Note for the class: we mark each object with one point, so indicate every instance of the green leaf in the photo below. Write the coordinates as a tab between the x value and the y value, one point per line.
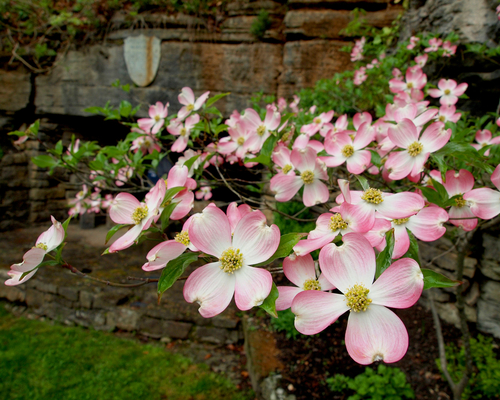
217	97
413	249
165	215
384	258
363	181
376	159
267	150
174	269
431	195
287	242
435	279
172	192
189	163
441	190
221	128
269	304
213	110
44	161
125	108
33	128
113	230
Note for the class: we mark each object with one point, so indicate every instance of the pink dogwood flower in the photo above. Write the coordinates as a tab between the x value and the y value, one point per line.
204	193
128	210
460	183
177	129
213	285
417	150
311	171
434	45
415	79
302	273
374	333
46	242
157	115
448	113
187	99
317	124
413	42
449	49
448	91
262	129
485	202
483	138
421	60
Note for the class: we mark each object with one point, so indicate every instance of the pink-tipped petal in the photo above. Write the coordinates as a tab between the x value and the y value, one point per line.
210	231
256	240
427	225
285	186
31	259
286	296
127	239
186	96
161	254
201	100
253	285
484	202
315	311
299	269
399	286
359	161
458	182
495	176
123	207
324	283
376	335
210	287
351	263
401	241
403	134
466	224
435	137
401	205
315	193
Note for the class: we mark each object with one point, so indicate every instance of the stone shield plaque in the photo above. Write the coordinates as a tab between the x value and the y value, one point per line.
142	56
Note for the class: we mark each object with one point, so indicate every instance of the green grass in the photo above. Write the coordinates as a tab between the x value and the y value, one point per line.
43	361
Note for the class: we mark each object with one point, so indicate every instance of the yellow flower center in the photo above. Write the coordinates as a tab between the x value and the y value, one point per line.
317	120
183	132
409	85
415	149
447	91
240	141
287	168
357	298
442	118
261	130
182	237
312	284
347	151
400	221
337	222
231	260
139	214
157	118
460	202
307	177
285	137
190	107
373	196
41	246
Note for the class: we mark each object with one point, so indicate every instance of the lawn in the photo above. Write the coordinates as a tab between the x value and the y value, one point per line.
39	360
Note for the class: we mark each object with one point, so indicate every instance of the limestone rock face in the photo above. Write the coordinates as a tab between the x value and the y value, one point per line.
15	89
473	20
84	79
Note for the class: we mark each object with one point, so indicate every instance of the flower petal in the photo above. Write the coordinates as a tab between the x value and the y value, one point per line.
252	287
210	231
122	208
349	264
285	186
211	287
377	334
401	205
256	240
484	202
286	296
126	240
315	193
314	310
399	286
299	269
161	254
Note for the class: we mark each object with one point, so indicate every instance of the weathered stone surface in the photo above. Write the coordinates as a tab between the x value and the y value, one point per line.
89	318
472	20
69	292
305	62
86	299
488	317
328	24
239	7
47	194
109	299
491	269
210	334
226	320
124	318
262	354
448	261
157	328
84	78
490	291
15	89
293	3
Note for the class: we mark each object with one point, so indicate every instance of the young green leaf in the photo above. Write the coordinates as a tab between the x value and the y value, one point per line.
165	215
44	161
269	304
384	258
413	249
435	279
363	181
217	97
113	230
174	269
172	192
189	163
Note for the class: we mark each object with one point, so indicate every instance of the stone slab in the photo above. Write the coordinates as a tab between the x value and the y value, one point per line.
15	90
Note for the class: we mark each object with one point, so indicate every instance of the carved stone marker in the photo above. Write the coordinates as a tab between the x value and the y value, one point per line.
142	56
